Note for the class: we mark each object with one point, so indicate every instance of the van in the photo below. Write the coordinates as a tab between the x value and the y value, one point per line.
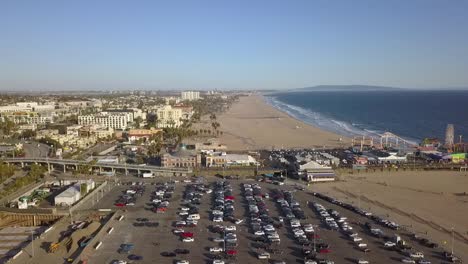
193	217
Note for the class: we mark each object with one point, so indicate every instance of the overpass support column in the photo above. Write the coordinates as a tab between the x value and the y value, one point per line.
64	168
100	169
22	164
48	167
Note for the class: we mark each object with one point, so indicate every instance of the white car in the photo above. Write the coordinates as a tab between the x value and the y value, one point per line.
362	261
309	261
416	255
217	219
263	255
182	262
178	231
389	244
218	261
295	224
239	221
259	233
184	208
407	260
183	213
218	239
269	228
119	262
216	249
188	239
230	228
356	239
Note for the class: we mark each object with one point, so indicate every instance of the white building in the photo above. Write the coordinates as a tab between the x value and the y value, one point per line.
26	107
68	197
315	172
115	121
28	118
190	95
169	116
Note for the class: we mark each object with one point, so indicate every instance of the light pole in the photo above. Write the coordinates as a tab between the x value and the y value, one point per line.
32	243
453	238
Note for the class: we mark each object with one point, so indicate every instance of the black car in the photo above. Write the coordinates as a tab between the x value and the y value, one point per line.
168	254
135	257
181	251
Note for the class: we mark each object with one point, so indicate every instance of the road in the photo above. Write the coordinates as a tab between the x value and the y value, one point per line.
36	150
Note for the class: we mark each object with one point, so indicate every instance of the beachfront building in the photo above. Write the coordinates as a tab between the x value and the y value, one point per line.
168	116
312	171
222	159
190	95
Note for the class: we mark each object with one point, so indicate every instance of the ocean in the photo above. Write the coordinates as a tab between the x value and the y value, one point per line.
410	114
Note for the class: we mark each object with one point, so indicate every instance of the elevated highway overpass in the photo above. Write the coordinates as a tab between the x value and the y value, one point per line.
70	164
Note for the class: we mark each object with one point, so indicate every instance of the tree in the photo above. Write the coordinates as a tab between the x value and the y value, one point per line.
138	121
7	126
156	145
29	133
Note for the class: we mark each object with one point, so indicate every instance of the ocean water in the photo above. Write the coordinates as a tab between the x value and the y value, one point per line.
411	114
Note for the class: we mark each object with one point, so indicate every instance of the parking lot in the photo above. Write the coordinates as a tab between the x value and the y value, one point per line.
149	241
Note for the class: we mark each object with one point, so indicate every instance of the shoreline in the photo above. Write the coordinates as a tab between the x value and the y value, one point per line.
330	124
253	124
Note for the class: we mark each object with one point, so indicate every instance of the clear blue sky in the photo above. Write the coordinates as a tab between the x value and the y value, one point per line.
232	44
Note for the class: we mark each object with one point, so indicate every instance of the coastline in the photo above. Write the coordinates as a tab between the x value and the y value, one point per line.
253	124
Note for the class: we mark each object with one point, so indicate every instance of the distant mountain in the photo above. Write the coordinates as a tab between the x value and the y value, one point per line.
346	88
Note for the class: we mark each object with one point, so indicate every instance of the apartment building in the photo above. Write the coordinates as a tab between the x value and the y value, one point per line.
190	95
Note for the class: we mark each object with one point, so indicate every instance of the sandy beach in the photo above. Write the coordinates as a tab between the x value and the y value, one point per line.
427	202
252	124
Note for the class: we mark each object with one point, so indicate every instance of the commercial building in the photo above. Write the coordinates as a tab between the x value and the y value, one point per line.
169	116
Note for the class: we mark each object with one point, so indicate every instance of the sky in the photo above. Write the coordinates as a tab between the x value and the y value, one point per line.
100	45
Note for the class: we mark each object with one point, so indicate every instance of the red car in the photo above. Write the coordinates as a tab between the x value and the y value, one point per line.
186	234
324	250
313	236
120	204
